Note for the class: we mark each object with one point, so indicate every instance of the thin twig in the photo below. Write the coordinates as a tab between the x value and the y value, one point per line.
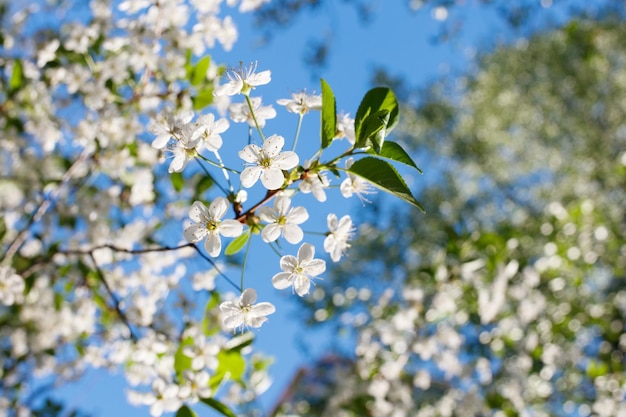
116	302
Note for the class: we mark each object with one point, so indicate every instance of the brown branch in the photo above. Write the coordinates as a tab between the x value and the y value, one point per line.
116	302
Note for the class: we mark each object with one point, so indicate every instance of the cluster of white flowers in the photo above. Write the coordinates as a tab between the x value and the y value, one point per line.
277	170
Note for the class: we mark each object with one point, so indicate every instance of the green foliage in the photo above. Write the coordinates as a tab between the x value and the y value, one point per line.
238	243
385	177
376	116
218	406
328	115
395	152
185	411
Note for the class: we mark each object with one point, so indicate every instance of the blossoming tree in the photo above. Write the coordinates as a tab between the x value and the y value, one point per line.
99	262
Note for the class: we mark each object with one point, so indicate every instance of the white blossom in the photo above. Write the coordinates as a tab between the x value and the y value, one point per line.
299	272
340	231
209	224
242	80
11	286
354	185
301	103
209	130
168	126
283	219
268	163
240	112
243	313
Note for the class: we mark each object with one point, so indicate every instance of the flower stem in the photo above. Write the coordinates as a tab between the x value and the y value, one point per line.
224	171
256	123
295	141
208	174
243	264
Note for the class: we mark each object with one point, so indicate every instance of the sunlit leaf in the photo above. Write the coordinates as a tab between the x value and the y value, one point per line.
384	176
185	411
17	77
218	406
237	244
199	70
329	115
178	182
375	100
203	98
393	151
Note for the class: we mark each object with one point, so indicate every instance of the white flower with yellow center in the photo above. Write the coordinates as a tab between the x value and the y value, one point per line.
283	219
243	313
267	162
209	224
299	272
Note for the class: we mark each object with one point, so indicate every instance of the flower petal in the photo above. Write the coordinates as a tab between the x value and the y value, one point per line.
282	204
271	232
298	215
248	297
194	232
250	176
302	285
272	178
198	212
315	267
286	160
273	145
292	233
288	263
282	280
263	309
250	153
306	252
230	228
218	208
234	321
213	244
268	214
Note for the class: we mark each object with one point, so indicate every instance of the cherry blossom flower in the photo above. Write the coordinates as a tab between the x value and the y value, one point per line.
284	220
11	286
242	80
240	112
209	129
299	272
166	127
268	163
345	128
355	185
315	183
340	231
195	386
244	313
182	151
203	354
208	224
164	398
301	103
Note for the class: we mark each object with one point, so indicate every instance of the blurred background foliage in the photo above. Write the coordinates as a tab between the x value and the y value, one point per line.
509	296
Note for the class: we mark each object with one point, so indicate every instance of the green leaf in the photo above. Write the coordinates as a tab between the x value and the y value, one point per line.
231	363
375	100
393	151
218	406
178	182
198	74
237	244
182	362
203	185
17	77
384	176
329	115
209	325
203	98
185	411
375	129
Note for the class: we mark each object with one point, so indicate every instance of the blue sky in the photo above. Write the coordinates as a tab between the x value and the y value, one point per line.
394	39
